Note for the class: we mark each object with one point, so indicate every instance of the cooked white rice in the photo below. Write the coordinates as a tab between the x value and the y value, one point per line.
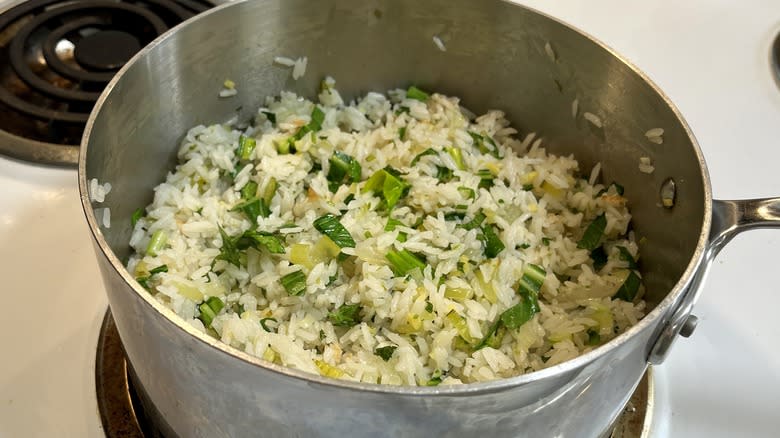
439	43
97	192
428	323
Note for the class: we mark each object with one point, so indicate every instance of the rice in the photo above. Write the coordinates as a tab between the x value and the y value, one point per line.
655	135
97	192
500	277
439	44
646	165
299	69
575	107
550	52
593	119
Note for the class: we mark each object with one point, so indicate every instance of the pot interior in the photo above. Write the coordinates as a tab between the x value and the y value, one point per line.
498	55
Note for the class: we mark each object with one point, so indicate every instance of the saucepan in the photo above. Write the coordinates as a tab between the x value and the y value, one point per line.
492	54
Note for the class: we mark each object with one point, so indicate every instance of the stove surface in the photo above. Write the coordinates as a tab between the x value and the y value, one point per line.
712	59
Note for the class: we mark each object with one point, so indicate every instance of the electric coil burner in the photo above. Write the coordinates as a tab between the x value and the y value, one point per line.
57	56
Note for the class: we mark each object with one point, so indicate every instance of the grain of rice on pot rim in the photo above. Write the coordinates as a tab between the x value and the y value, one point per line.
389	240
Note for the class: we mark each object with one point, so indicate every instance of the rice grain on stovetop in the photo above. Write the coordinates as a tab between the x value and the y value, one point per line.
425	326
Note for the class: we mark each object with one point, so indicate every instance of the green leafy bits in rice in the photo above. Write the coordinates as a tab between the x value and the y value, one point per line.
389	240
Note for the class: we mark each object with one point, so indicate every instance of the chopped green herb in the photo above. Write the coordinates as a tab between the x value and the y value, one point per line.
436	378
428	151
137	215
594	338
156	243
444	174
294	283
159	269
493	245
209	310
429	307
417	94
347	315
467	192
246	145
265	327
249	191
523	246
626	256
454	215
402	109
270	191
475	222
592	236
532	279
387	183
485	144
599	257
546	241
528	187
486	178
385	352
629	288
143	281
402	133
403	262
270	116
343	169
330	226
391	224
457	157
257	239
252	208
229	251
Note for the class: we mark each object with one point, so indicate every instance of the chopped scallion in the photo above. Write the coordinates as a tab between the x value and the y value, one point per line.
330	226
347	315
246	145
265	327
391	224
209	310
159	269
592	236
387	183
417	157
629	288
467	192
249	190
137	215
294	283
457	157
156	243
486	178
493	244
385	352
270	191
343	168
417	94
402	133
403	262
435	379
475	222
257	239
594	338
229	251
444	174
626	256
599	257
532	279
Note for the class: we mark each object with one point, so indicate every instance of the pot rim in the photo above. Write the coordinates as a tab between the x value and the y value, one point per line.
664	307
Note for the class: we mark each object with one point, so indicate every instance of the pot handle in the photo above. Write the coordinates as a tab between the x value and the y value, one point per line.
729	218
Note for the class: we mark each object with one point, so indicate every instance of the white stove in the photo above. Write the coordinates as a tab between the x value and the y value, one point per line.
711	57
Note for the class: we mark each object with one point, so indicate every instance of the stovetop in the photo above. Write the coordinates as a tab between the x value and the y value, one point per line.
712	59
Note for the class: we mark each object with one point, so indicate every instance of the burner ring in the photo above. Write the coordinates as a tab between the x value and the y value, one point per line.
27	75
91	49
55	63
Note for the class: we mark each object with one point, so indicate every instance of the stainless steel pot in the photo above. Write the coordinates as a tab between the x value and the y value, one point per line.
495	58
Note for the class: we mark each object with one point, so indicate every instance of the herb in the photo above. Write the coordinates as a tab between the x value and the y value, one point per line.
229	251
209	310
512	318
436	378
137	215
493	245
249	191
629	288
546	241
385	352
429	307
417	94
246	145
252	208
257	239
403	262
294	283
454	215
532	279
143	281
594	338
391	224
467	192
599	257
592	236
485	144
330	226
343	169
457	157
475	222
317	117
626	256
270	116
270	191
159	269
428	151
486	178
528	187
402	132
388	185
156	243
265	327
345	316
444	174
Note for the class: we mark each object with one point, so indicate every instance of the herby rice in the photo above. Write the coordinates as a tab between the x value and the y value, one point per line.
394	240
